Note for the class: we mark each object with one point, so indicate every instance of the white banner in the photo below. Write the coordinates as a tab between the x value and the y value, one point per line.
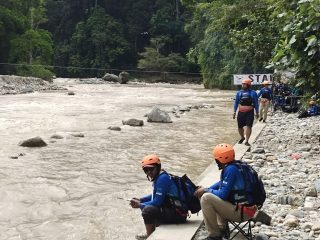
256	79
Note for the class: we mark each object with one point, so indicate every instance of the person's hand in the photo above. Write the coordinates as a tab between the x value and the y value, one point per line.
257	115
234	115
135	203
199	192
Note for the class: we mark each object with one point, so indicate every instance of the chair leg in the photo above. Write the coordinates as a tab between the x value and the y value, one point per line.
241	229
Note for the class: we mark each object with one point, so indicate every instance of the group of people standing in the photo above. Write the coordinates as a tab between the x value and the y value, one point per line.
225	199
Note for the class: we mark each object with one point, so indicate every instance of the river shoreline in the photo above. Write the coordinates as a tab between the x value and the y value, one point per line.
286	156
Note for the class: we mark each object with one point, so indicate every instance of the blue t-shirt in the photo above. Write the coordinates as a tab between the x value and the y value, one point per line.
231	182
314	110
163	186
265	93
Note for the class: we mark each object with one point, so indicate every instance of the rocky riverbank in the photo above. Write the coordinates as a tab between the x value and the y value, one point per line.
287	156
17	85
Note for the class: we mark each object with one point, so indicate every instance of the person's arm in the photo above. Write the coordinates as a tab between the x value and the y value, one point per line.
236	102
255	101
162	187
215	186
260	93
146	198
229	178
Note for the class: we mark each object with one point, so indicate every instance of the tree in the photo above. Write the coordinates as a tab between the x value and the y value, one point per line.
231	37
98	42
153	60
12	23
298	49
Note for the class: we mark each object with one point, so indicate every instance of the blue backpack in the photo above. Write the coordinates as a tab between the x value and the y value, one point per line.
186	192
253	183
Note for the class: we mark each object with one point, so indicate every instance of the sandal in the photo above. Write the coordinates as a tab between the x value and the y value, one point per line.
241	140
141	236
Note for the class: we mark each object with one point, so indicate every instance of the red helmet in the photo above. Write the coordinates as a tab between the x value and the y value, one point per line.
246	81
150	161
223	153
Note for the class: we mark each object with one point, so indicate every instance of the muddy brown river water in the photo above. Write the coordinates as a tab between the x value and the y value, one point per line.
70	189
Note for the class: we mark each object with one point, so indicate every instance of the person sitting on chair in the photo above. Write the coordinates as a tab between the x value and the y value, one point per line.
226	199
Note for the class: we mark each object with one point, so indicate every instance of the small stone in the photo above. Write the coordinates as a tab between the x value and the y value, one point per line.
317	185
80	135
316	226
261	236
311	191
114	128
33	142
56	136
291	221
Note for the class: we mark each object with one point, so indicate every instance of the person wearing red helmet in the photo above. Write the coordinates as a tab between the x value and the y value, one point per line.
247	101
163	205
219	201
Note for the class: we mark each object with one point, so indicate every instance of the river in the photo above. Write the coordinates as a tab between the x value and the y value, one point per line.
71	189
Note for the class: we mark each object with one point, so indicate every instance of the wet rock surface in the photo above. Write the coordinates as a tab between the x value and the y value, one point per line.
33	142
286	156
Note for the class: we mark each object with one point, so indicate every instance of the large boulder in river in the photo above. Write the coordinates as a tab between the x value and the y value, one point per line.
124	77
33	142
133	122
157	115
111	77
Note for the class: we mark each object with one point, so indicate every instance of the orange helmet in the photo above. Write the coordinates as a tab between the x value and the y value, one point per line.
246	81
150	161
265	83
223	153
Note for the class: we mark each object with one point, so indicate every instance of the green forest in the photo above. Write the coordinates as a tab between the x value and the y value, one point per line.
216	38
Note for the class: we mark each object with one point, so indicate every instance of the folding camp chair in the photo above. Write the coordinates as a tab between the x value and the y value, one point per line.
243	228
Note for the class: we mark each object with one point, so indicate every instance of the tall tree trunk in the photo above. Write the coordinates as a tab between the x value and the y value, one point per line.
177	10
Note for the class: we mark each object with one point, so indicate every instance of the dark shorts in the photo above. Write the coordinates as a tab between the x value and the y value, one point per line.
155	215
245	119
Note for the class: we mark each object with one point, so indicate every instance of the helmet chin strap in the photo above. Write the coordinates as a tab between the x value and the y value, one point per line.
220	165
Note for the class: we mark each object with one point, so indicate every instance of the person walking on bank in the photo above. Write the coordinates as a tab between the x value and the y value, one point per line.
226	199
247	100
163	205
265	101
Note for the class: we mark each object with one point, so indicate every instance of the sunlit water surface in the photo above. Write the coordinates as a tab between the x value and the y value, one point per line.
71	188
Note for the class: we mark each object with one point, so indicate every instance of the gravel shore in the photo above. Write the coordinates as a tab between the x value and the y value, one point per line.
20	85
287	156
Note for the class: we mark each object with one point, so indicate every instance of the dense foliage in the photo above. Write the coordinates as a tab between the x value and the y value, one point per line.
219	38
299	46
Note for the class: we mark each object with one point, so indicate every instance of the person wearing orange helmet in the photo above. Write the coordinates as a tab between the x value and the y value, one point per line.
163	205
247	101
265	100
219	201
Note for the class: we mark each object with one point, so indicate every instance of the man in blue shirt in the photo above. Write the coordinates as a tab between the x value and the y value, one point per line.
265	100
247	101
163	205
226	199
